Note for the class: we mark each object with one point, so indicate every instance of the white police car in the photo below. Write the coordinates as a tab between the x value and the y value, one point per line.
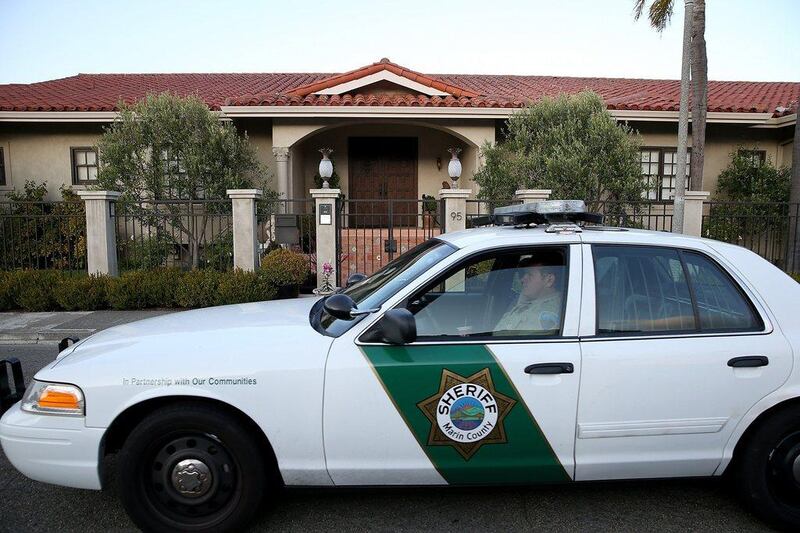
499	355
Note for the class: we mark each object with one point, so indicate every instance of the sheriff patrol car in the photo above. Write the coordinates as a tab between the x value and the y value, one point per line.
539	349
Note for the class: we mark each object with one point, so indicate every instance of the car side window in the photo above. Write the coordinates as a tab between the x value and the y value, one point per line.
721	305
641	289
498	294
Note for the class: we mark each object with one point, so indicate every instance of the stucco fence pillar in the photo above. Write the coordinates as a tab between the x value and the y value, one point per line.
325	215
528	196
245	228
455	208
101	239
281	154
693	212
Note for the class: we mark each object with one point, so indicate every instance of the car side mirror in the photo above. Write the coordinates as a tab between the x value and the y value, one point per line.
397	326
340	306
354	278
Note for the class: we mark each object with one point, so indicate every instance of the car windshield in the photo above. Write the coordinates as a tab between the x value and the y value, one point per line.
380	286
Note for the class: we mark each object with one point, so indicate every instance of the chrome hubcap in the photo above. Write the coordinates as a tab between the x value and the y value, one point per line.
191	478
796	469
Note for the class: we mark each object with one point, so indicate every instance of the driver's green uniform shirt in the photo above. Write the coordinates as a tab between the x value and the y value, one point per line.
540	314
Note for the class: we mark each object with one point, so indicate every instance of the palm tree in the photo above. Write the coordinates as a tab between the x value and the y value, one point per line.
694	71
793	255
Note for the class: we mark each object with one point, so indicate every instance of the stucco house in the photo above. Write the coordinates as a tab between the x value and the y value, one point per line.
389	126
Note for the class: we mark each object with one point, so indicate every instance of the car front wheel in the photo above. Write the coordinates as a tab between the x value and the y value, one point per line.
768	471
191	467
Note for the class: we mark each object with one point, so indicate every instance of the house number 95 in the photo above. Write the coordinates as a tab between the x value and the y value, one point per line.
456	215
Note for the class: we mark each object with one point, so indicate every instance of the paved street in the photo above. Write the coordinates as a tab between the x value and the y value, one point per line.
662	505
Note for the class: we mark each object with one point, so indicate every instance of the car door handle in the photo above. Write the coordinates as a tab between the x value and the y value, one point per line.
550	368
748	361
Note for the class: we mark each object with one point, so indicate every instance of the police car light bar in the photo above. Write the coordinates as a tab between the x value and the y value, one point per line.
545	212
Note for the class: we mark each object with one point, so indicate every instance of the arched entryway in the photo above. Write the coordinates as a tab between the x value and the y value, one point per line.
390	175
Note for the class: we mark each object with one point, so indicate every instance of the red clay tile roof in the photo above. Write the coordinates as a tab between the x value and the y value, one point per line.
383	64
101	92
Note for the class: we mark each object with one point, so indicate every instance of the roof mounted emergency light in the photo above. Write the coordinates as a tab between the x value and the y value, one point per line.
545	212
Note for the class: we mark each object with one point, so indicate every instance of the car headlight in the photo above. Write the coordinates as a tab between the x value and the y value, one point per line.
53	399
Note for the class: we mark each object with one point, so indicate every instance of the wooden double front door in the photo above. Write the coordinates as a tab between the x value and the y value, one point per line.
382	181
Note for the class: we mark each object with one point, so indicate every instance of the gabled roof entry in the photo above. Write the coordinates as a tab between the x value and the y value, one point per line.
384	70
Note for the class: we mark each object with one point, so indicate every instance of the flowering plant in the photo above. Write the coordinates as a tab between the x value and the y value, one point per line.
327	272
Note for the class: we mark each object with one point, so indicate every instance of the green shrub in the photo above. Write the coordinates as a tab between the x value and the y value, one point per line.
8	291
35	289
239	286
140	289
285	269
796	276
198	288
47	235
83	293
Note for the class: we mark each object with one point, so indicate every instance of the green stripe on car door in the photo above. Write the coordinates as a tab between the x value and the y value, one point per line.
412	374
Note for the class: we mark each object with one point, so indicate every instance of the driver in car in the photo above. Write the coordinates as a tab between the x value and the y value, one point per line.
538	308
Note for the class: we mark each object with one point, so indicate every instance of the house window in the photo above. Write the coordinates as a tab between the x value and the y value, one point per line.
2	167
84	165
174	175
758	157
659	168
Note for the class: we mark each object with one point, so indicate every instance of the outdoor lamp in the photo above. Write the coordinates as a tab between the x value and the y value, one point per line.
325	167
454	166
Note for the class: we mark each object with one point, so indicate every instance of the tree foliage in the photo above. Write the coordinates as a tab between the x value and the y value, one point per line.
38	234
570	144
754	206
747	179
174	150
659	13
168	147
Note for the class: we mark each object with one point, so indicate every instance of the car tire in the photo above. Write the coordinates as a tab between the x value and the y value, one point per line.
768	470
191	467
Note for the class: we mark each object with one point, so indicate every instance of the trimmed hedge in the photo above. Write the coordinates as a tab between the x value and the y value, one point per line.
285	268
35	290
82	293
281	274
240	287
142	289
198	288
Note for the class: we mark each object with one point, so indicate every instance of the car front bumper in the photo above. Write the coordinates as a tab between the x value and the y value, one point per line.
54	449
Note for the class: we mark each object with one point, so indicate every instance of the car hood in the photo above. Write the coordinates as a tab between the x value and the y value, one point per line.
199	327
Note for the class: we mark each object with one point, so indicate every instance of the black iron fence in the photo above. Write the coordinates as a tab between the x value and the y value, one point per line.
767	229
370	233
174	233
478	208
41	235
655	216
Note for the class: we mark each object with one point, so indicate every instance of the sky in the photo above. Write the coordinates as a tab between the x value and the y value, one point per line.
754	40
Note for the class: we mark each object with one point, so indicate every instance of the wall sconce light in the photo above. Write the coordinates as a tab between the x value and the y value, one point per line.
438	163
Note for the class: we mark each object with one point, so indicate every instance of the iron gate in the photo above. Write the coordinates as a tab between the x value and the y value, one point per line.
370	233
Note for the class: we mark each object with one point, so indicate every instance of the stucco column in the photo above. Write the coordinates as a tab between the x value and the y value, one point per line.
532	195
325	201
245	228
101	239
282	158
455	208
693	212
